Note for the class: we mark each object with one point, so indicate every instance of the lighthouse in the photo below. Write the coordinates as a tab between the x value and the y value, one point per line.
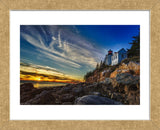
110	57
116	57
108	60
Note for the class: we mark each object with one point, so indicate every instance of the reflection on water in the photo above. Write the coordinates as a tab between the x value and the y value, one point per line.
43	84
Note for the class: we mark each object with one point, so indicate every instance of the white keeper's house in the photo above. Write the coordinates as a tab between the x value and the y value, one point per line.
116	57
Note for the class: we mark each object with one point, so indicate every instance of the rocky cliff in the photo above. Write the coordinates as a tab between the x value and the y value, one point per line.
120	82
112	71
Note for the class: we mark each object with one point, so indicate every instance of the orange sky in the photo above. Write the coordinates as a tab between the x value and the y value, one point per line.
42	73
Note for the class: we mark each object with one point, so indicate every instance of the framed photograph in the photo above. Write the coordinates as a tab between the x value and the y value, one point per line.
69	67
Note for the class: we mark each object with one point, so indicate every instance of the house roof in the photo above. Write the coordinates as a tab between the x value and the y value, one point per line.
121	49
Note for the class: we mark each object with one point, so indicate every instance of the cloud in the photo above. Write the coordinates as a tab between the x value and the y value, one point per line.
31	70
39	69
63	44
60	59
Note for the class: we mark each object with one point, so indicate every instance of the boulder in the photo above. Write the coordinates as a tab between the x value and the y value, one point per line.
126	79
66	89
77	90
125	82
131	67
133	98
67	98
109	93
27	94
107	81
106	88
26	87
43	98
95	100
114	96
114	74
96	87
134	67
25	97
117	96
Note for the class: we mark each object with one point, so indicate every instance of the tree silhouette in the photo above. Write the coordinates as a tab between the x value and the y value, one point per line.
135	48
97	66
100	64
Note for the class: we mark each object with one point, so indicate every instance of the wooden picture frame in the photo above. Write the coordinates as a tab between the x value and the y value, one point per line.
7	5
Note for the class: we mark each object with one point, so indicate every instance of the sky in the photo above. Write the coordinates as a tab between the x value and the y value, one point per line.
65	53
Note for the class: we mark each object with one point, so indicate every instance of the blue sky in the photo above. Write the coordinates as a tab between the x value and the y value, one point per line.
70	50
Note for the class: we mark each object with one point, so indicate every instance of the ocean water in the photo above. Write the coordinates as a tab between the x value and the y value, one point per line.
43	84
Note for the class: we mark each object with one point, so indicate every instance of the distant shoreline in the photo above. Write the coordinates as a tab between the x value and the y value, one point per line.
47	81
43	84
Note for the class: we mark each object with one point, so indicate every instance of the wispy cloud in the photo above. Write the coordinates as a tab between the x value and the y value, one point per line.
60	59
63	45
39	69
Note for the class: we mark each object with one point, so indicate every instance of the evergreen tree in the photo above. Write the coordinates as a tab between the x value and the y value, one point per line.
88	74
101	64
97	67
135	48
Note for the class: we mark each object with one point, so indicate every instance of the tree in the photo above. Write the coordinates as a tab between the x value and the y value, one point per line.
103	64
88	75
100	64
97	66
135	48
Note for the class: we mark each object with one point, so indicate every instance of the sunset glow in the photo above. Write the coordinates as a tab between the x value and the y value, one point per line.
33	72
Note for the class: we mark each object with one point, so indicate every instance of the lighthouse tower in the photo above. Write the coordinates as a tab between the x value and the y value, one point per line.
109	57
108	60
